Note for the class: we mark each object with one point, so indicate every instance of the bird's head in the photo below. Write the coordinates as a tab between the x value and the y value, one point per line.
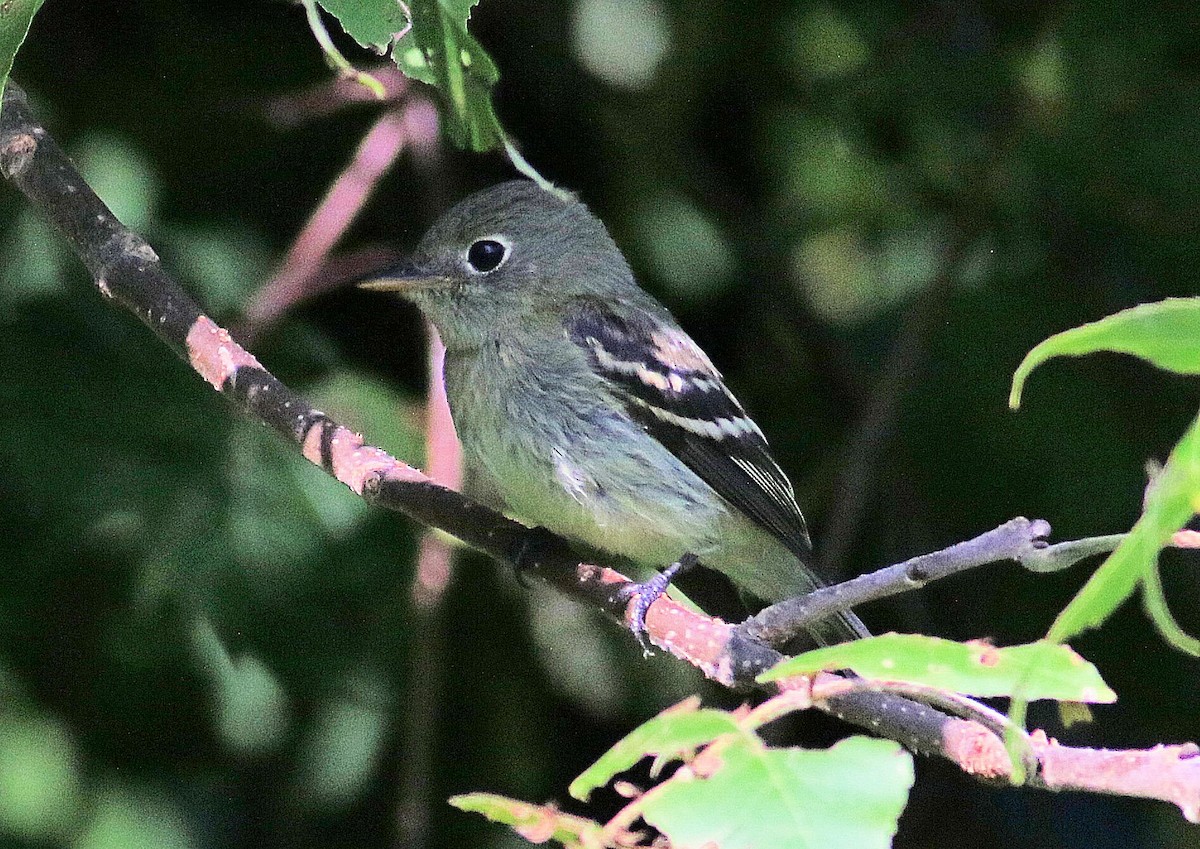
505	256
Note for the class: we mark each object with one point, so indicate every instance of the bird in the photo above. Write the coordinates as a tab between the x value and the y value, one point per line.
591	412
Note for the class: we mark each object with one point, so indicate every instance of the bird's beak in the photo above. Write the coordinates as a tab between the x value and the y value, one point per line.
405	277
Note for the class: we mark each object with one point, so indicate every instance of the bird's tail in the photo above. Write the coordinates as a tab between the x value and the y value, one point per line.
787	576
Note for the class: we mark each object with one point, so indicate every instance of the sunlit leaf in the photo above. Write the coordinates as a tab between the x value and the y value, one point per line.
747	796
121	175
121	820
1035	671
536	823
251	706
622	42
1166	334
341	752
672	734
39	783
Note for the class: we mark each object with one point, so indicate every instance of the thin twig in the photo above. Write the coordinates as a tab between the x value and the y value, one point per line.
348	194
781	622
329	96
334	56
1063	555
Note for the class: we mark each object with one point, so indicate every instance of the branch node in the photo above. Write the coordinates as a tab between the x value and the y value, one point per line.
917	576
978	751
16	152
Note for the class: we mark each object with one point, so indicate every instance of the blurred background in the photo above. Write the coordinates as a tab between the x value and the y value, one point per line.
866	212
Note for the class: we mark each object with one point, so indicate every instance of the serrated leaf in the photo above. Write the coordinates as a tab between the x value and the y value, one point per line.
748	796
1171	500
372	23
536	823
15	18
1166	334
672	734
439	50
1035	671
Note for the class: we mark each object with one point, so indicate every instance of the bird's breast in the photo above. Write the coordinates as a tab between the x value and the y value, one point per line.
565	455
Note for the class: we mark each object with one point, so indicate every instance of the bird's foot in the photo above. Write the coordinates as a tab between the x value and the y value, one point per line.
645	594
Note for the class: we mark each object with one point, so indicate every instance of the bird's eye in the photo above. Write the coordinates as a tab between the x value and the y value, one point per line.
486	255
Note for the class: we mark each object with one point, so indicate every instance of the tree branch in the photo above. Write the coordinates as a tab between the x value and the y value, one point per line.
1014	540
127	271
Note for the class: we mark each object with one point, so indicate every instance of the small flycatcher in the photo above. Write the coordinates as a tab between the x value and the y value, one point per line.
592	412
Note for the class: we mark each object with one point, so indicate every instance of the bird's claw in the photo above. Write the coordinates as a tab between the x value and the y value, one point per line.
645	594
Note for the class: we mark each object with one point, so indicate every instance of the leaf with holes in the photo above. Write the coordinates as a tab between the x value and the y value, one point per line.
372	23
440	51
536	823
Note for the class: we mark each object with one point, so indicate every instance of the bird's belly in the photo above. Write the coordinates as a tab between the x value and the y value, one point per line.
643	505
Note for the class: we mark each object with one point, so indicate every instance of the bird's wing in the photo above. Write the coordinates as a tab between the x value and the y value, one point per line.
671	389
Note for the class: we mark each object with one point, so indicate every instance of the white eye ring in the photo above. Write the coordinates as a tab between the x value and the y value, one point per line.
486	254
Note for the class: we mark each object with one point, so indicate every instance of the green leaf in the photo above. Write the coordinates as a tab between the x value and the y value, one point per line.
1166	334
120	174
672	734
739	794
15	18
438	50
372	23
1172	499
1039	670
435	48
537	823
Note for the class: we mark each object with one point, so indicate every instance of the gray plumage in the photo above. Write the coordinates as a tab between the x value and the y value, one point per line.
592	412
